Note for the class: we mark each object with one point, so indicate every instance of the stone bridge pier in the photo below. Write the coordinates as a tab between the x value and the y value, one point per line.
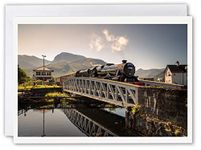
159	112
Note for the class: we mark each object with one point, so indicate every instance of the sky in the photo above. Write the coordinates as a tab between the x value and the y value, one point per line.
145	45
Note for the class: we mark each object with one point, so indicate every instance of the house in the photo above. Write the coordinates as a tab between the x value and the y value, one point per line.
42	73
176	74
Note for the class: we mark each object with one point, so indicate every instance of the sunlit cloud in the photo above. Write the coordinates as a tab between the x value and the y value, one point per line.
108	40
119	44
109	37
96	43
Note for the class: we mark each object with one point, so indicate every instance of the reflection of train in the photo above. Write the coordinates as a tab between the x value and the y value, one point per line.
123	72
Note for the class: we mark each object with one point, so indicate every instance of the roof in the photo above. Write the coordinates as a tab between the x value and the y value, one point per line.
177	68
42	68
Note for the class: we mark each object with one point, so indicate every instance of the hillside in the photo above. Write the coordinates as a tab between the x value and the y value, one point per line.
67	57
28	63
63	63
150	73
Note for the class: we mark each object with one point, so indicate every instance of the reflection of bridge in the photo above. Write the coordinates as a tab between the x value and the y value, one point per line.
118	93
86	125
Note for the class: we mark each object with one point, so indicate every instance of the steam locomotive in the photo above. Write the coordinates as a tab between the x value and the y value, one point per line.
123	72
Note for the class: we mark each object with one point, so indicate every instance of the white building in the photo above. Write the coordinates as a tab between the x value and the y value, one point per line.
176	74
42	73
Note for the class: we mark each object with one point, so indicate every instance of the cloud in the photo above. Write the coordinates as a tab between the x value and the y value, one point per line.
107	39
119	44
96	43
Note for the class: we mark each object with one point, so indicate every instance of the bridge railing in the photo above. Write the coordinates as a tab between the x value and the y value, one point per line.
118	93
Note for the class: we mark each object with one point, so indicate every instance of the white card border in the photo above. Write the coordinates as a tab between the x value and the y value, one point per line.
107	20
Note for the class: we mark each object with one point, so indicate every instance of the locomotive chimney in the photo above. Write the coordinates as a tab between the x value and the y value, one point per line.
124	61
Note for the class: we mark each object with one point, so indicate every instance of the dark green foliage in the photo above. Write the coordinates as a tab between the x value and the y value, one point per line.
22	77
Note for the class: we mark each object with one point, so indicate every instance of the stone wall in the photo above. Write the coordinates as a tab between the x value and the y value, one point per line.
162	112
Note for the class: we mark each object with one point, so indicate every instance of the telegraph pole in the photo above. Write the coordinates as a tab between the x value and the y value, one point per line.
43	60
43	67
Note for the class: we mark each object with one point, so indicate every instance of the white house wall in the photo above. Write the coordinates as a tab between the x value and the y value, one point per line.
168	76
177	78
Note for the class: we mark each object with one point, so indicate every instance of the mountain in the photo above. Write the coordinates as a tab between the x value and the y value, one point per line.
160	77
150	73
65	63
28	63
62	64
67	57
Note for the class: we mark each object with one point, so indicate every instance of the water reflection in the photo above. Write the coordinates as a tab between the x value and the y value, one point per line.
46	122
117	111
86	124
64	119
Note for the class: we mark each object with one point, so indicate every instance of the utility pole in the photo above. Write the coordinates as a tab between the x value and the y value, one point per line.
43	67
43	60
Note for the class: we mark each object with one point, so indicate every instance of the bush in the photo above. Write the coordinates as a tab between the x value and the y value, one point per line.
22	76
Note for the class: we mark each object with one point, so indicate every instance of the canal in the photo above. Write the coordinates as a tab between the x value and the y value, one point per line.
71	117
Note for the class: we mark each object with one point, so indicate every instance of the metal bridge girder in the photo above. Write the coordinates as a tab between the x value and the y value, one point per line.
118	93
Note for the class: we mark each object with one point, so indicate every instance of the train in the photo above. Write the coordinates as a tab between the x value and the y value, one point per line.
123	72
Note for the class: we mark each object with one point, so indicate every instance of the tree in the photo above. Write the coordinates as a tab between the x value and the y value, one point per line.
22	76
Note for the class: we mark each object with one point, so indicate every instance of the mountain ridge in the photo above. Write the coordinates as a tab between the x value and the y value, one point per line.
65	63
68	57
149	73
62	64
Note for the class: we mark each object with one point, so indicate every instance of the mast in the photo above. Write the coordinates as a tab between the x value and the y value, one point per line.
43	67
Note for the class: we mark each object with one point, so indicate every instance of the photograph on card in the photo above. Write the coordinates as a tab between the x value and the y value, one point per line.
98	80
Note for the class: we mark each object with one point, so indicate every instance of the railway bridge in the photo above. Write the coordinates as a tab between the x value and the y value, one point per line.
157	100
113	92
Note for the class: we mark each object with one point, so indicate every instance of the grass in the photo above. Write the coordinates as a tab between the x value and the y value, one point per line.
56	94
28	87
135	108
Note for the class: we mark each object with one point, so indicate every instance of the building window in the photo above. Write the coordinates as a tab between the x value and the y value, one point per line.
43	73
49	73
37	73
